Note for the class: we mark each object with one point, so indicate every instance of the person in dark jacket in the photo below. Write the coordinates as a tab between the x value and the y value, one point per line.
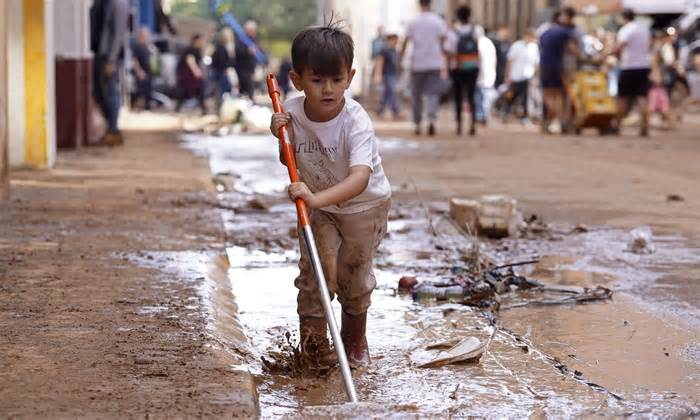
246	61
190	74
222	60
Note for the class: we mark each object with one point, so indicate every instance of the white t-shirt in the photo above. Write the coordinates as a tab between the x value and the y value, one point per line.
325	151
426	32
487	63
636	53
524	58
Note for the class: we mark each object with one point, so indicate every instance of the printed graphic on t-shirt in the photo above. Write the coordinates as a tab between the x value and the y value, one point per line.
314	146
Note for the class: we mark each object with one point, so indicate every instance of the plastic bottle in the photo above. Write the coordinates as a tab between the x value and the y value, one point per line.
430	293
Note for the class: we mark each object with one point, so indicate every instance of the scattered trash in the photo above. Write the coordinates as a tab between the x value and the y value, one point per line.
640	241
431	293
467	350
224	182
493	216
580	228
257	203
407	283
674	197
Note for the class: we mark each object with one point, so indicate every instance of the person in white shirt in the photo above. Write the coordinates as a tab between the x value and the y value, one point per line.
485	85
523	59
428	63
462	46
343	185
634	48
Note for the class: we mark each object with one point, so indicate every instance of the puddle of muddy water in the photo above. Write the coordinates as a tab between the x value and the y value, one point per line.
507	381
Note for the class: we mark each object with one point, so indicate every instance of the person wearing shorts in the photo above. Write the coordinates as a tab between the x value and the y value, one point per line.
633	47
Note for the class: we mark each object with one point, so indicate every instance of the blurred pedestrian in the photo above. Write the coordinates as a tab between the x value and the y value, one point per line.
555	42
485	84
222	61
523	59
163	19
246	59
386	71
283	75
108	26
462	46
502	42
142	70
633	47
190	74
428	67
378	42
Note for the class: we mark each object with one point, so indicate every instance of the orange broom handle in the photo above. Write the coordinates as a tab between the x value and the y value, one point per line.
287	151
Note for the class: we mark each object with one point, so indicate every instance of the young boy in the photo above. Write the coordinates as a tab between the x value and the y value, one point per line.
343	185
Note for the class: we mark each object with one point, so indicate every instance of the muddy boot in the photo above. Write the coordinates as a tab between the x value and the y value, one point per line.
313	340
352	332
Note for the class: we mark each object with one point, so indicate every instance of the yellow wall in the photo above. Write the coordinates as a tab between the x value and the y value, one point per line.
35	144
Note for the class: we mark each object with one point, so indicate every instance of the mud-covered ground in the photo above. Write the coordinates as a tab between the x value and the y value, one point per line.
112	282
636	354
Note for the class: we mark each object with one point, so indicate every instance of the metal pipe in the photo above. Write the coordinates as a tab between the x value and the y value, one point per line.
328	310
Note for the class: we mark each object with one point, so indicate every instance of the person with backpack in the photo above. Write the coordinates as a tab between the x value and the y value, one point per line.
462	46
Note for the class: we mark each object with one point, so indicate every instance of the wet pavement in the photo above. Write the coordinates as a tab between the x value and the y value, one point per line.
637	354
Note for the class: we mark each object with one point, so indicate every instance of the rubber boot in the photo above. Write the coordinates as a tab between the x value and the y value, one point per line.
313	339
352	332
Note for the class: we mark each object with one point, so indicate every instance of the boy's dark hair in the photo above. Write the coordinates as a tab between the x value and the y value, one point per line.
555	16
464	13
628	15
325	50
196	37
424	3
392	36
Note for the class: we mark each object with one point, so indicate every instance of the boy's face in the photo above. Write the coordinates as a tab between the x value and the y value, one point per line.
324	94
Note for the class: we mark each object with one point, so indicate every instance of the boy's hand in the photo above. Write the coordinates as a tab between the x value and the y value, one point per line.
300	190
280	119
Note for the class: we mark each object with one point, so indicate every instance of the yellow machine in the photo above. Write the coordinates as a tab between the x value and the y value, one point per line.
591	104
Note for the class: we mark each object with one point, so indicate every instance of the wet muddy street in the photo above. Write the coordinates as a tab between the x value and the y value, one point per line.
638	353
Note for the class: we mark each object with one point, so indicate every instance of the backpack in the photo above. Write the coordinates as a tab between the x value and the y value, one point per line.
467	51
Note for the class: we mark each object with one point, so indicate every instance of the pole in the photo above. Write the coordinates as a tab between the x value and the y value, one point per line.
303	216
4	129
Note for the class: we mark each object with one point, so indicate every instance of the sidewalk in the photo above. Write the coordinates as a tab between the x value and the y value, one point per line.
114	299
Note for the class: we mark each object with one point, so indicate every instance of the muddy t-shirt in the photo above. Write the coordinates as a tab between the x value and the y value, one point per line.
325	151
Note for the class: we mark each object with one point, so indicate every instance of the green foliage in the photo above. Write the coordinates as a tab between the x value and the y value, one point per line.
278	20
196	8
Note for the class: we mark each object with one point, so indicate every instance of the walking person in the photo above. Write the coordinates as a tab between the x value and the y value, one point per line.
246	60
556	41
142	69
386	71
523	59
108	29
222	61
634	48
190	74
485	84
428	63
464	54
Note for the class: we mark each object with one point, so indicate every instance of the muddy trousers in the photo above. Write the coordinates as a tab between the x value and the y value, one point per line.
347	244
